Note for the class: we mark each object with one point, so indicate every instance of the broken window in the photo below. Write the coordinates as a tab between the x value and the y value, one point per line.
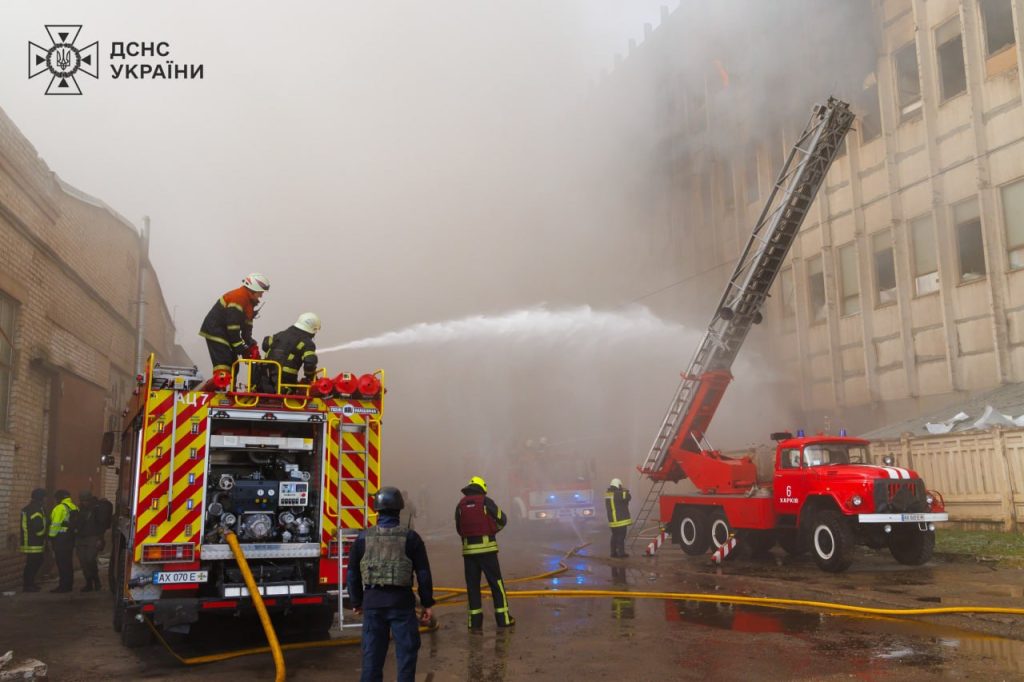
816	290
849	285
969	241
997	18
952	73
7	310
885	268
1013	217
787	294
871	115
908	83
926	259
751	190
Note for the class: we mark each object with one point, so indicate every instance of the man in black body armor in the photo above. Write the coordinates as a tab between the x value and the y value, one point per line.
380	576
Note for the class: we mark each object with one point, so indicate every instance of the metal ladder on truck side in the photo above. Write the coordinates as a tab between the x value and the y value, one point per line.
791	197
360	461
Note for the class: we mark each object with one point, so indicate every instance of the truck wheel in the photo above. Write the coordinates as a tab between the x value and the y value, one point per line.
911	546
692	532
832	542
719	529
792	543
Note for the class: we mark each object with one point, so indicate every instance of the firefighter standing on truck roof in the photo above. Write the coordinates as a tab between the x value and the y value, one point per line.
63	520
227	328
33	539
381	567
293	348
616	503
477	520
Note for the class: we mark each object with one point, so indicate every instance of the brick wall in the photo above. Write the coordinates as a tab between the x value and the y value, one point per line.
71	265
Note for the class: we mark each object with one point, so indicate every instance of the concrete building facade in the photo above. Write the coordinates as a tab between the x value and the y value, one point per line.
905	288
68	282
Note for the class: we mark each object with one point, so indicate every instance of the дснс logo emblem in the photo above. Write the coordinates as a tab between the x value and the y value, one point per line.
63	60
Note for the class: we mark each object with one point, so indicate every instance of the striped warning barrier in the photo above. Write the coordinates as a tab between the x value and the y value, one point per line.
656	544
723	551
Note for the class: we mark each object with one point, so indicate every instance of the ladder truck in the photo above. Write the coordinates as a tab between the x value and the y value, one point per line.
823	496
290	474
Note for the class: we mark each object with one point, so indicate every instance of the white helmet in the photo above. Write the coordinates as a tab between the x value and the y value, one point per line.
256	281
616	483
308	322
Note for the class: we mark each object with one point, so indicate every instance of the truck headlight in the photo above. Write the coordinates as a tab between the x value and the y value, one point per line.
856	500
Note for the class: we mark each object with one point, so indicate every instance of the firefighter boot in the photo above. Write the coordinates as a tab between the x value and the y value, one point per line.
476	619
505	619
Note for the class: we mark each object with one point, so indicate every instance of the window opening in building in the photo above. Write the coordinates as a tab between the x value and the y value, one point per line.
885	268
849	285
787	294
1013	218
871	114
751	190
926	258
997	18
725	184
816	290
969	241
950	50
908	82
7	318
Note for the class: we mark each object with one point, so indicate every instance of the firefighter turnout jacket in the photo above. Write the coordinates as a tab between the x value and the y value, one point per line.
478	520
384	562
292	348
63	519
229	321
33	528
616	503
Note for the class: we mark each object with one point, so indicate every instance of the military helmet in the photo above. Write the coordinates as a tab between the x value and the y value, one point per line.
388	499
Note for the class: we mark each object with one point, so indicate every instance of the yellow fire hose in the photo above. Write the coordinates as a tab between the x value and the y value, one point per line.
450	593
257	601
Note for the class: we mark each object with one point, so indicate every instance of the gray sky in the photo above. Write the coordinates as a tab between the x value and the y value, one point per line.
375	160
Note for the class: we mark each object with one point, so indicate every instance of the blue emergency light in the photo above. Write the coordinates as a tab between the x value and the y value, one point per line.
842	432
799	433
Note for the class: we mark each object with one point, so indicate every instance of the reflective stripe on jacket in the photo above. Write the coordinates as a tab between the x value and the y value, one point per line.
33	529
59	517
616	503
229	321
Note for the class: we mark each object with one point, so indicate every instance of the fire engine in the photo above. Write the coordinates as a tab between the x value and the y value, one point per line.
824	495
547	487
291	473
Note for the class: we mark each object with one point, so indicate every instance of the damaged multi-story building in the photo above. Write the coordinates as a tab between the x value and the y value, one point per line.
905	287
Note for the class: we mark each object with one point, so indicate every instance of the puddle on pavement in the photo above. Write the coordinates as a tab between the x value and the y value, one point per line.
907	642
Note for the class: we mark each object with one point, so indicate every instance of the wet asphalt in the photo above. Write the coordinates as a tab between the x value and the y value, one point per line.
614	637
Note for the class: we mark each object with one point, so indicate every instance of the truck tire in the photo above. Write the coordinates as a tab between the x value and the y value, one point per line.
792	543
692	531
911	546
719	529
832	541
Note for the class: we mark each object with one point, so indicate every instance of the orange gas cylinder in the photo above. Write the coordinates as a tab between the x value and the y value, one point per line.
346	383
369	385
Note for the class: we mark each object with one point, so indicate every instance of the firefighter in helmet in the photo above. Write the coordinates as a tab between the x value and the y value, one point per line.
63	526
616	504
227	328
478	520
382	563
293	348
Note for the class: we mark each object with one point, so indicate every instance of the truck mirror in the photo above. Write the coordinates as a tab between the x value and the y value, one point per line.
108	444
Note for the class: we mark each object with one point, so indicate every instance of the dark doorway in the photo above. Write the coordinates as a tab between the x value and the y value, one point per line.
76	432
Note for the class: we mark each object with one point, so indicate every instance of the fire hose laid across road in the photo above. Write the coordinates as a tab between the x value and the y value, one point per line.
450	593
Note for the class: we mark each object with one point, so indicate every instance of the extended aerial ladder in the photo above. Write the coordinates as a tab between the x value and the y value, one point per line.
681	449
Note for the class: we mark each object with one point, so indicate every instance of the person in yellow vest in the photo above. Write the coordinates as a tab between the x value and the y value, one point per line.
33	539
616	503
63	522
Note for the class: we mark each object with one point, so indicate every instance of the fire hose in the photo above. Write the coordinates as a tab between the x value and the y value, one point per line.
451	593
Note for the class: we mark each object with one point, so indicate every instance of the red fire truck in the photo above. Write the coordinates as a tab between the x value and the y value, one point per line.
290	473
547	486
824	495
